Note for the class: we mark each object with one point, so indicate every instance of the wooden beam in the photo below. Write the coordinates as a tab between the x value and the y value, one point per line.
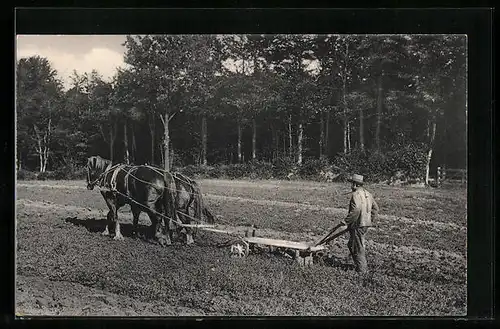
211	229
283	243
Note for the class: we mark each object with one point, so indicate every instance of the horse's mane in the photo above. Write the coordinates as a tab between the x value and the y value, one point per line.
98	162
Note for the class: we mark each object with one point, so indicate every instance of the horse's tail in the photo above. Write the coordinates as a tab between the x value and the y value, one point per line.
169	198
208	214
197	200
200	208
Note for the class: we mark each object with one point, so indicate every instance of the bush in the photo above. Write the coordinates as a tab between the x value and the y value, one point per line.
26	175
282	166
237	171
260	169
410	159
61	173
194	171
69	172
311	168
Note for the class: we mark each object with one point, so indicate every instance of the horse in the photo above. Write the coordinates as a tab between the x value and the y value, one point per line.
144	189
188	193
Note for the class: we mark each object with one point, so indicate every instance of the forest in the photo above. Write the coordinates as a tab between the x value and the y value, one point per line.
257	106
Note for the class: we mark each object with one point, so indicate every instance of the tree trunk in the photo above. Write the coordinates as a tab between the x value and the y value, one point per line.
348	137
125	143
277	143
172	157
134	147
111	146
290	141
284	145
344	106
204	140
239	143
345	135
152	130
39	148
166	143
254	139
327	133
162	152
112	138
45	157
429	151
361	131
321	135
379	112
300	136
106	140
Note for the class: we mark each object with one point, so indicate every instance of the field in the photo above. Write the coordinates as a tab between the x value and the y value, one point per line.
416	254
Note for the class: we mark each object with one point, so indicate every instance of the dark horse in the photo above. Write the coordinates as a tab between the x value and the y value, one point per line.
188	194
143	188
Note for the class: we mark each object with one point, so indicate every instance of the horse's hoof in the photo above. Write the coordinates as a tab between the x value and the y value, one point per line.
105	233
165	243
118	238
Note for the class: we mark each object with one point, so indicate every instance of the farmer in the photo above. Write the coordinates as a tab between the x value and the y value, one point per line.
362	210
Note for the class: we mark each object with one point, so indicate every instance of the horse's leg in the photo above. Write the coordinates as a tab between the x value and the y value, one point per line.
109	216
135	212
118	233
163	235
189	235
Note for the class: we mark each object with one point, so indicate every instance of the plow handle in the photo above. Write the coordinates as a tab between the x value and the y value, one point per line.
328	237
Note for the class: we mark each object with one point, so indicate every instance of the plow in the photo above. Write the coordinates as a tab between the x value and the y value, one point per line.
305	253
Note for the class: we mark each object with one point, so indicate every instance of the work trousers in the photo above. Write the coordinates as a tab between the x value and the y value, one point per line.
356	246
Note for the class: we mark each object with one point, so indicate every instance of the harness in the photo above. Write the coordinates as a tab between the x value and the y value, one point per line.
112	182
101	176
112	187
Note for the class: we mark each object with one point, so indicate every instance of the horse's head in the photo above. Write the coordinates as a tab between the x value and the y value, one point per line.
95	167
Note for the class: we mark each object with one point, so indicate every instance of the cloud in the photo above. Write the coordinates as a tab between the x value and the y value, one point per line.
103	60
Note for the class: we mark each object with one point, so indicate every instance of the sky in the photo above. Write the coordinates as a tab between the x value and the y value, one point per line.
82	53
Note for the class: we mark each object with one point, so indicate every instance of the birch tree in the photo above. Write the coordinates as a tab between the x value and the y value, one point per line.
39	96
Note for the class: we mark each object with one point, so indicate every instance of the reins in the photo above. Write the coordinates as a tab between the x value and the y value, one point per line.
99	182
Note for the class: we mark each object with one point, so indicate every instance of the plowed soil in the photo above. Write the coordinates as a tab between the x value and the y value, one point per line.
416	254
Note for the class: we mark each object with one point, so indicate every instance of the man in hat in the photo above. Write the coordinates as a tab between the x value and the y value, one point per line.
362	210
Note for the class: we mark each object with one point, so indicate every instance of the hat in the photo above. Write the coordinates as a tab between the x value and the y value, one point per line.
356	179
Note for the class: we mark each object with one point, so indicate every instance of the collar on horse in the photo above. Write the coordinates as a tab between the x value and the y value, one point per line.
100	179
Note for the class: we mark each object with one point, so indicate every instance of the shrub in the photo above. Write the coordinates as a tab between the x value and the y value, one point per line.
26	175
237	171
311	168
43	175
194	171
282	166
260	169
376	166
411	159
68	172
218	171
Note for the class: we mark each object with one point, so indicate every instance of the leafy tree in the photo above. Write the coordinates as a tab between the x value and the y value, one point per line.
39	97
442	69
204	71
124	101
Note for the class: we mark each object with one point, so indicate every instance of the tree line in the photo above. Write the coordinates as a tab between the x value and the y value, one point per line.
211	99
